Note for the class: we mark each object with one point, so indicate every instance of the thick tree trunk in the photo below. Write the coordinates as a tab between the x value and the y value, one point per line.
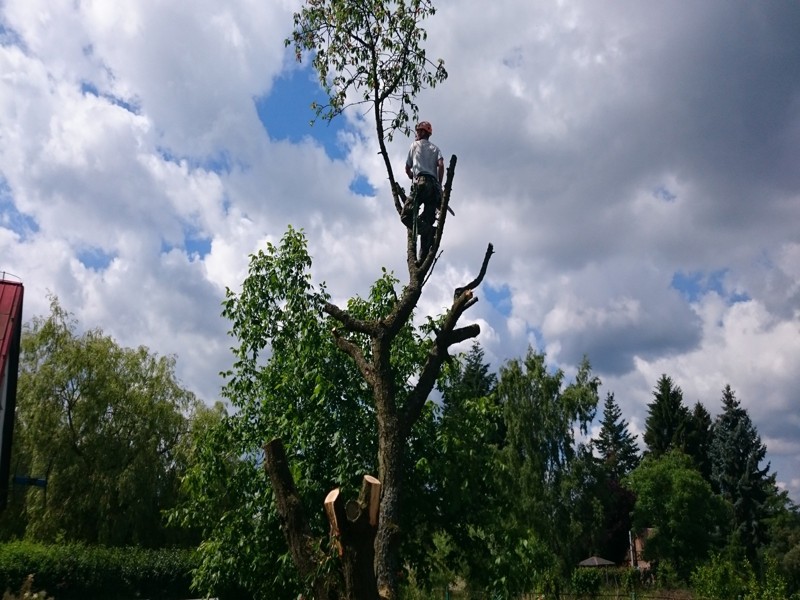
353	527
387	556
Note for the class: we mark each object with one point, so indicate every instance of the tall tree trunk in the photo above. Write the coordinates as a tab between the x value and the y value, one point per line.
387	550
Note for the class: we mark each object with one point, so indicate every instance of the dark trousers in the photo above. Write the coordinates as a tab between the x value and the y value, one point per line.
428	195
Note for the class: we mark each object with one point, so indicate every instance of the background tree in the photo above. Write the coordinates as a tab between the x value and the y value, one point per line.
465	467
619	455
103	425
698	440
783	548
668	420
550	476
685	515
736	455
615	444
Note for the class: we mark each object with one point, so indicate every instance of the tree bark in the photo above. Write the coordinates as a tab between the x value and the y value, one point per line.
387	557
353	527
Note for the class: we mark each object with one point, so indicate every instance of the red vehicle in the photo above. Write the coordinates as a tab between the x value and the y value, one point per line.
10	332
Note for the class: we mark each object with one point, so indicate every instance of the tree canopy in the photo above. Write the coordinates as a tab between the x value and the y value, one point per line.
679	506
369	52
104	426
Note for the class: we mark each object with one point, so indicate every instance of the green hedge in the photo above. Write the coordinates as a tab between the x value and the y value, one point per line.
73	571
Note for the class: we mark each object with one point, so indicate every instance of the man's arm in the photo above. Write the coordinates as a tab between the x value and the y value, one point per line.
408	171
440	170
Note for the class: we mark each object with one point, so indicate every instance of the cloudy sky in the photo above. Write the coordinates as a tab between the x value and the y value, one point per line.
635	165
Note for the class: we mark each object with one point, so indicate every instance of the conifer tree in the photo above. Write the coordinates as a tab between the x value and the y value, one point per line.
699	440
736	453
616	445
619	455
668	419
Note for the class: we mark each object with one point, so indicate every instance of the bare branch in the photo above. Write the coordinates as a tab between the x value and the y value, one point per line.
349	322
447	336
477	281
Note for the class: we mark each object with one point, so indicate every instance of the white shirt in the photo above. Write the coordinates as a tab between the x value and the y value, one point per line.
423	158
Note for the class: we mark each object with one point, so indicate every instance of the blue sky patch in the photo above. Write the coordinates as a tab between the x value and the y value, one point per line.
286	112
197	245
697	284
662	193
95	258
9	37
11	218
88	88
499	298
221	163
361	186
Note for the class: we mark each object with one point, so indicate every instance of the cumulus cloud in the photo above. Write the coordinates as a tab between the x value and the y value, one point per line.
635	167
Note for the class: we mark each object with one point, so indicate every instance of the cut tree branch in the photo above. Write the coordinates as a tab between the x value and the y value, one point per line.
302	546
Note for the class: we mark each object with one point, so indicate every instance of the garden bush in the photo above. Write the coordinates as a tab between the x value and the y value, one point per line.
75	571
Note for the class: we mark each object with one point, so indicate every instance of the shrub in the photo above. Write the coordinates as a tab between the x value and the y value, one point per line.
75	571
586	582
721	579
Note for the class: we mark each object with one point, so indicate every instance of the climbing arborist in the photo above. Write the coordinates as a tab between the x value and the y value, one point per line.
425	168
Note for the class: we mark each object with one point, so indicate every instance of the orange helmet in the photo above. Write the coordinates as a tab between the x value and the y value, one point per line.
425	126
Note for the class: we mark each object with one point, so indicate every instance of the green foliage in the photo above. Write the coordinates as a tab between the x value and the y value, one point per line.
103	424
552	481
586	582
616	445
368	51
290	381
675	501
630	579
771	587
668	420
465	468
522	564
784	537
74	571
721	578
698	440
724	578
736	454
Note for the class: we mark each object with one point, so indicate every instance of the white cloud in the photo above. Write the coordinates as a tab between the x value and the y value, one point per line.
602	149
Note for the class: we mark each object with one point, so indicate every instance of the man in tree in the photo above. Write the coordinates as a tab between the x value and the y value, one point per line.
425	168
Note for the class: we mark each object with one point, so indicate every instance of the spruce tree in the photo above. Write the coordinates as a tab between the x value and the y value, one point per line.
699	440
668	420
616	445
619	455
736	453
472	380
